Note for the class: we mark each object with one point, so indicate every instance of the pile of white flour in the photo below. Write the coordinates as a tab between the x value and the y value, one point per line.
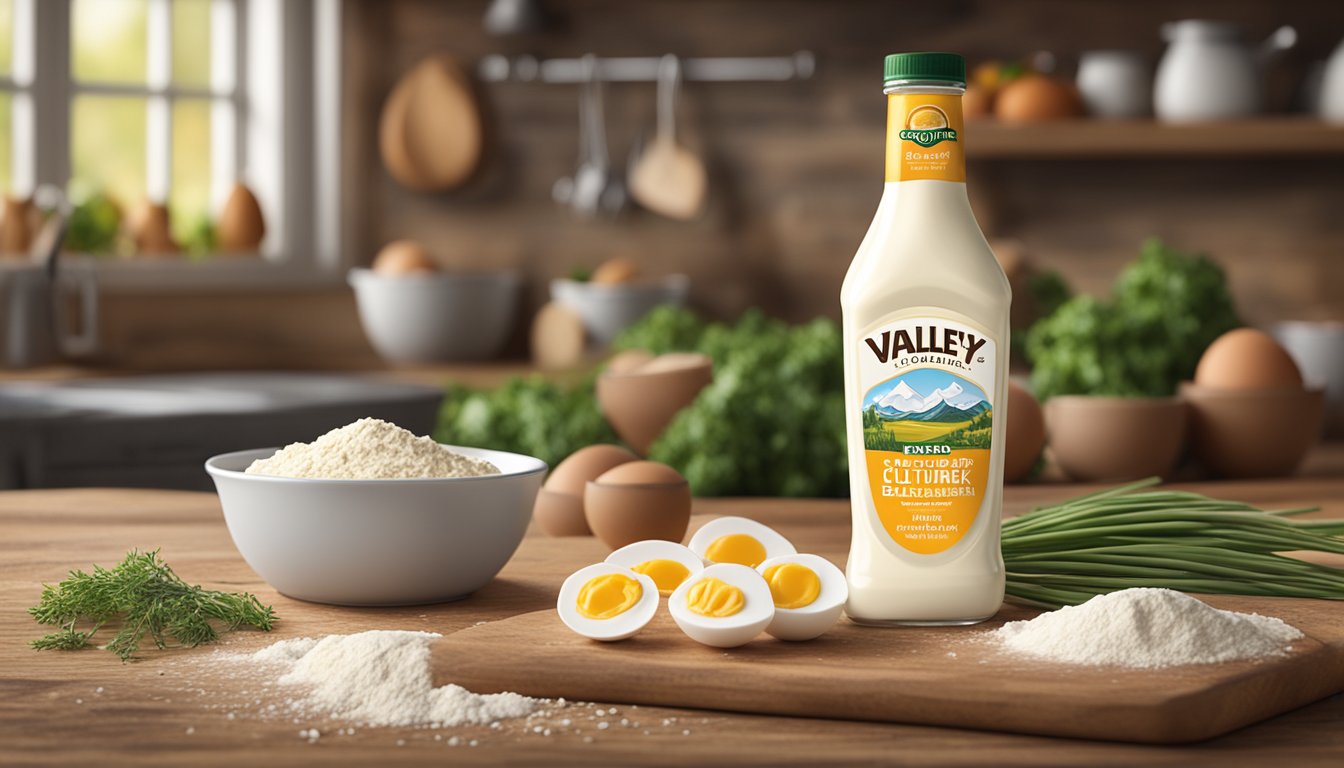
370	449
379	678
1146	628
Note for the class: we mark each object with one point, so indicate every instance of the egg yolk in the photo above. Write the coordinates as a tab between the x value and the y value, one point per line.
715	598
792	585
736	548
667	574
608	596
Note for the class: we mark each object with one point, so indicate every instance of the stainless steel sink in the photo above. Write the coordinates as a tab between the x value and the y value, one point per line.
157	431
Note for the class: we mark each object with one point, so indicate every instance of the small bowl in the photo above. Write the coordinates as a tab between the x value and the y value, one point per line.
639	406
1265	433
609	308
438	317
377	542
622	514
1112	439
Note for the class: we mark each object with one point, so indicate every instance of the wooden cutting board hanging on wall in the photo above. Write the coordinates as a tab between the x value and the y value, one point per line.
431	135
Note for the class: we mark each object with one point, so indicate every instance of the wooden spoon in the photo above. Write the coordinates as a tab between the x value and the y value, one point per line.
430	135
667	178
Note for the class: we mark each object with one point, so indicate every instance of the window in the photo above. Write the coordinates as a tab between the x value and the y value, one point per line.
129	102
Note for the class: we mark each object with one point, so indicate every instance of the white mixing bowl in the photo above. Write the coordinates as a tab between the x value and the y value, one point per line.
378	542
439	317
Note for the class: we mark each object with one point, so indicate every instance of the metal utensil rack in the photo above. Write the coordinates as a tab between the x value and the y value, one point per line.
644	69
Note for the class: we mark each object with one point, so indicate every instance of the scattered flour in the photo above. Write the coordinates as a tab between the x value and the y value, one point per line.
1146	628
380	678
370	449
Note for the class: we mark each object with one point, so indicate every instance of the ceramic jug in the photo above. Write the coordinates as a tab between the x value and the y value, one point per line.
1115	84
1209	73
37	326
1332	87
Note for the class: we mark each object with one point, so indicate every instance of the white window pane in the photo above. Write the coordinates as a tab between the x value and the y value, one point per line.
6	42
189	200
6	143
107	148
191	43
108	40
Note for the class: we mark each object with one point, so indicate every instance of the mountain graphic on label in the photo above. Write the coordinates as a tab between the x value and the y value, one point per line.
925	406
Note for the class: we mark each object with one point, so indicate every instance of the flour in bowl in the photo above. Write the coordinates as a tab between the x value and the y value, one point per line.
370	449
1146	628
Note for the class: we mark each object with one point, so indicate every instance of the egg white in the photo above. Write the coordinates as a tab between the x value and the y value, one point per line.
616	628
812	620
775	544
632	555
731	631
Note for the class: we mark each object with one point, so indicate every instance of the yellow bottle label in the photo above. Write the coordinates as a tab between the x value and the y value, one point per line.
928	416
924	137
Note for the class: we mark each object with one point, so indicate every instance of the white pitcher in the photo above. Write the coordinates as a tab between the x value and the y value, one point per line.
1332	87
1210	73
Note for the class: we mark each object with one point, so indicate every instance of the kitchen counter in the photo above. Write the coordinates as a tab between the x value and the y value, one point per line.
163	710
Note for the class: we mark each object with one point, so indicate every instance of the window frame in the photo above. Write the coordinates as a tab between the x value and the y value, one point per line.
285	149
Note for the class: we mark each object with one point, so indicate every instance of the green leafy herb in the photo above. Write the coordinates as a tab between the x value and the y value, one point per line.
1167	307
1133	537
528	415
141	596
742	435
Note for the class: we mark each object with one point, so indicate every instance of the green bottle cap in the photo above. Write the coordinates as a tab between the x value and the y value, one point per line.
924	66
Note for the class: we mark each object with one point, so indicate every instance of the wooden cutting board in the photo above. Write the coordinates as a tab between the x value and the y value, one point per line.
935	676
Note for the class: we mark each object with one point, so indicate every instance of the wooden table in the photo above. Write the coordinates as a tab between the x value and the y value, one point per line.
89	708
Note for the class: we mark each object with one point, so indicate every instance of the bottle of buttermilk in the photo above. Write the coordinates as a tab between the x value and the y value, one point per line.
926	356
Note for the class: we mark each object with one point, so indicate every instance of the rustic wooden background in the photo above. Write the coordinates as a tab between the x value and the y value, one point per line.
796	168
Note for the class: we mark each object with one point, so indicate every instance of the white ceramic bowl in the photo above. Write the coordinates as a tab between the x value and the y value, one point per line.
607	309
378	542
439	317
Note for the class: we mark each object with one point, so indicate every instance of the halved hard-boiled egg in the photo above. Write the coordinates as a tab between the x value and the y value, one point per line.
739	540
725	605
667	563
607	602
809	594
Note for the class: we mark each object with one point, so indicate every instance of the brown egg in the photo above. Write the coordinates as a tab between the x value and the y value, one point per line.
571	475
1035	98
404	257
558	337
615	271
1247	359
977	103
1026	434
639	405
560	514
638	501
241	226
151	230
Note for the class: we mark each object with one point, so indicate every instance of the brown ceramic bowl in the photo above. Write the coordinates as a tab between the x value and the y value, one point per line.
631	503
1112	439
1257	433
639	405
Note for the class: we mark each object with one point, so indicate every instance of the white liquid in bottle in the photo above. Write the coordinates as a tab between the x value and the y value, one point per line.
925	308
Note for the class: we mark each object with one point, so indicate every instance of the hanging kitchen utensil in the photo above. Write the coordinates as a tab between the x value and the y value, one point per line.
515	17
668	178
430	135
593	189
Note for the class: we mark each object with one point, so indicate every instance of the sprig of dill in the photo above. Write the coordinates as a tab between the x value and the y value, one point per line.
141	596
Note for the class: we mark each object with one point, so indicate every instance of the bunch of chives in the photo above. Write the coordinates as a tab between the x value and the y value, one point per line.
1130	536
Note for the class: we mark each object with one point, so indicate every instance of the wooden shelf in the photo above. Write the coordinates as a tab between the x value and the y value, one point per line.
1088	138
